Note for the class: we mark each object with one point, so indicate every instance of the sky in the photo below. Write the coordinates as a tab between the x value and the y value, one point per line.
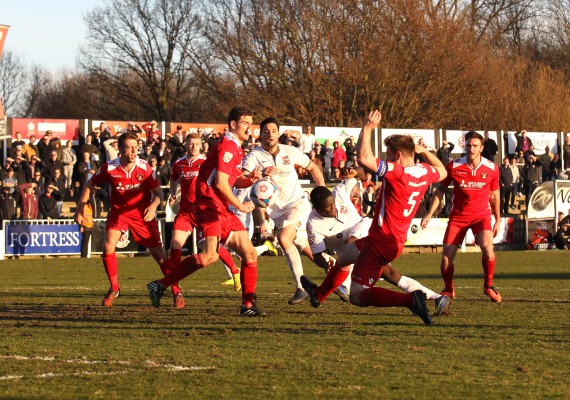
46	32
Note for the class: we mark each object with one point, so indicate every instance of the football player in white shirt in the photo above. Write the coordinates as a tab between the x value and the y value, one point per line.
332	223
291	208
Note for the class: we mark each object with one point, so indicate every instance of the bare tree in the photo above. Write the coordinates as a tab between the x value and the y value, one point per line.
139	48
13	84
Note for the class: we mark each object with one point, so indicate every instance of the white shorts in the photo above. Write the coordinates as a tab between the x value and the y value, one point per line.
294	213
361	229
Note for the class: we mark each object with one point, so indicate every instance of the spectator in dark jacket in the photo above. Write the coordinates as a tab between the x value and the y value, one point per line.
8	205
51	165
507	185
44	147
524	143
490	148
48	203
444	152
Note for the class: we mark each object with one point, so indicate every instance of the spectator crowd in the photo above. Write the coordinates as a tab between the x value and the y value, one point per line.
38	175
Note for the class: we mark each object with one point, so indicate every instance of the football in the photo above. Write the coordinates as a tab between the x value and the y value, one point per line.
263	193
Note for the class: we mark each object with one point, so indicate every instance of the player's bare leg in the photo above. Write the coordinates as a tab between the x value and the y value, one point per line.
111	266
485	241
447	269
187	267
241	244
286	237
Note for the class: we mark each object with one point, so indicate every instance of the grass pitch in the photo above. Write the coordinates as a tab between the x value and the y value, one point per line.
57	342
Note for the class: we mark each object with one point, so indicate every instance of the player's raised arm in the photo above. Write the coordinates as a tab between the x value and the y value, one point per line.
364	152
432	160
316	174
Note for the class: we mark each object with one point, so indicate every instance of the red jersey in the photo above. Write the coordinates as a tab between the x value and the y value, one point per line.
186	171
403	189
129	189
226	156
471	187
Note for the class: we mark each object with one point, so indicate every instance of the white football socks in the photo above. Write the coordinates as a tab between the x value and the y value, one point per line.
410	285
294	261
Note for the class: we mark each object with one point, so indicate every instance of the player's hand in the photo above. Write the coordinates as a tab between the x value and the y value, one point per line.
496	228
270	171
247	207
149	213
373	119
420	149
255	175
172	200
425	221
78	217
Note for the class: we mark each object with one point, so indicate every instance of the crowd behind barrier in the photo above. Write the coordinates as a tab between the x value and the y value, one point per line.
43	168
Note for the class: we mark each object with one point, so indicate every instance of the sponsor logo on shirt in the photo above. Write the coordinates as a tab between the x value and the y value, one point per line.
120	188
189	174
472	185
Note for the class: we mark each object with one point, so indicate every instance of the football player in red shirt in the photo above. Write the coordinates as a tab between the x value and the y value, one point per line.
403	186
135	196
185	171
219	173
476	194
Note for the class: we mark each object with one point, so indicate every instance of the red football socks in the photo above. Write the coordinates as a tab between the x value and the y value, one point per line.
248	279
380	297
447	275
175	256
166	267
335	277
112	269
489	271
227	259
187	267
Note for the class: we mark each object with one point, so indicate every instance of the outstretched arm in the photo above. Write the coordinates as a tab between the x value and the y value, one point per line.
366	158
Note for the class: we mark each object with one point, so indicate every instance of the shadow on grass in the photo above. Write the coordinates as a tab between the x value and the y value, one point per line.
499	275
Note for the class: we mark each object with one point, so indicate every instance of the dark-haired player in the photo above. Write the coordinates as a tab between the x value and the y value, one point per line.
403	186
334	225
291	208
217	176
135	196
476	194
185	171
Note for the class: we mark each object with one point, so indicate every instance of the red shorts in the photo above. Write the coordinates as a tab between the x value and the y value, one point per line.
457	229
374	253
144	233
213	222
185	222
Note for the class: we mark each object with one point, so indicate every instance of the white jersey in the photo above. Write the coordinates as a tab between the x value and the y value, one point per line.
242	195
307	142
330	234
287	181
342	192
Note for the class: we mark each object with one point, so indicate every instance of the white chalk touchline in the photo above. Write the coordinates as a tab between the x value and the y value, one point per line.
148	363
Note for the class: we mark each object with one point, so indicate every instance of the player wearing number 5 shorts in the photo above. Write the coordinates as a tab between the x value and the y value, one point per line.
403	186
476	194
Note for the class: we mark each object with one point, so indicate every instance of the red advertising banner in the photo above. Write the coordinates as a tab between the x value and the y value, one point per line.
64	129
3	33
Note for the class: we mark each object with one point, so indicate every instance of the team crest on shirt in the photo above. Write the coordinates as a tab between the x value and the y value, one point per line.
139	177
484	175
286	160
228	156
